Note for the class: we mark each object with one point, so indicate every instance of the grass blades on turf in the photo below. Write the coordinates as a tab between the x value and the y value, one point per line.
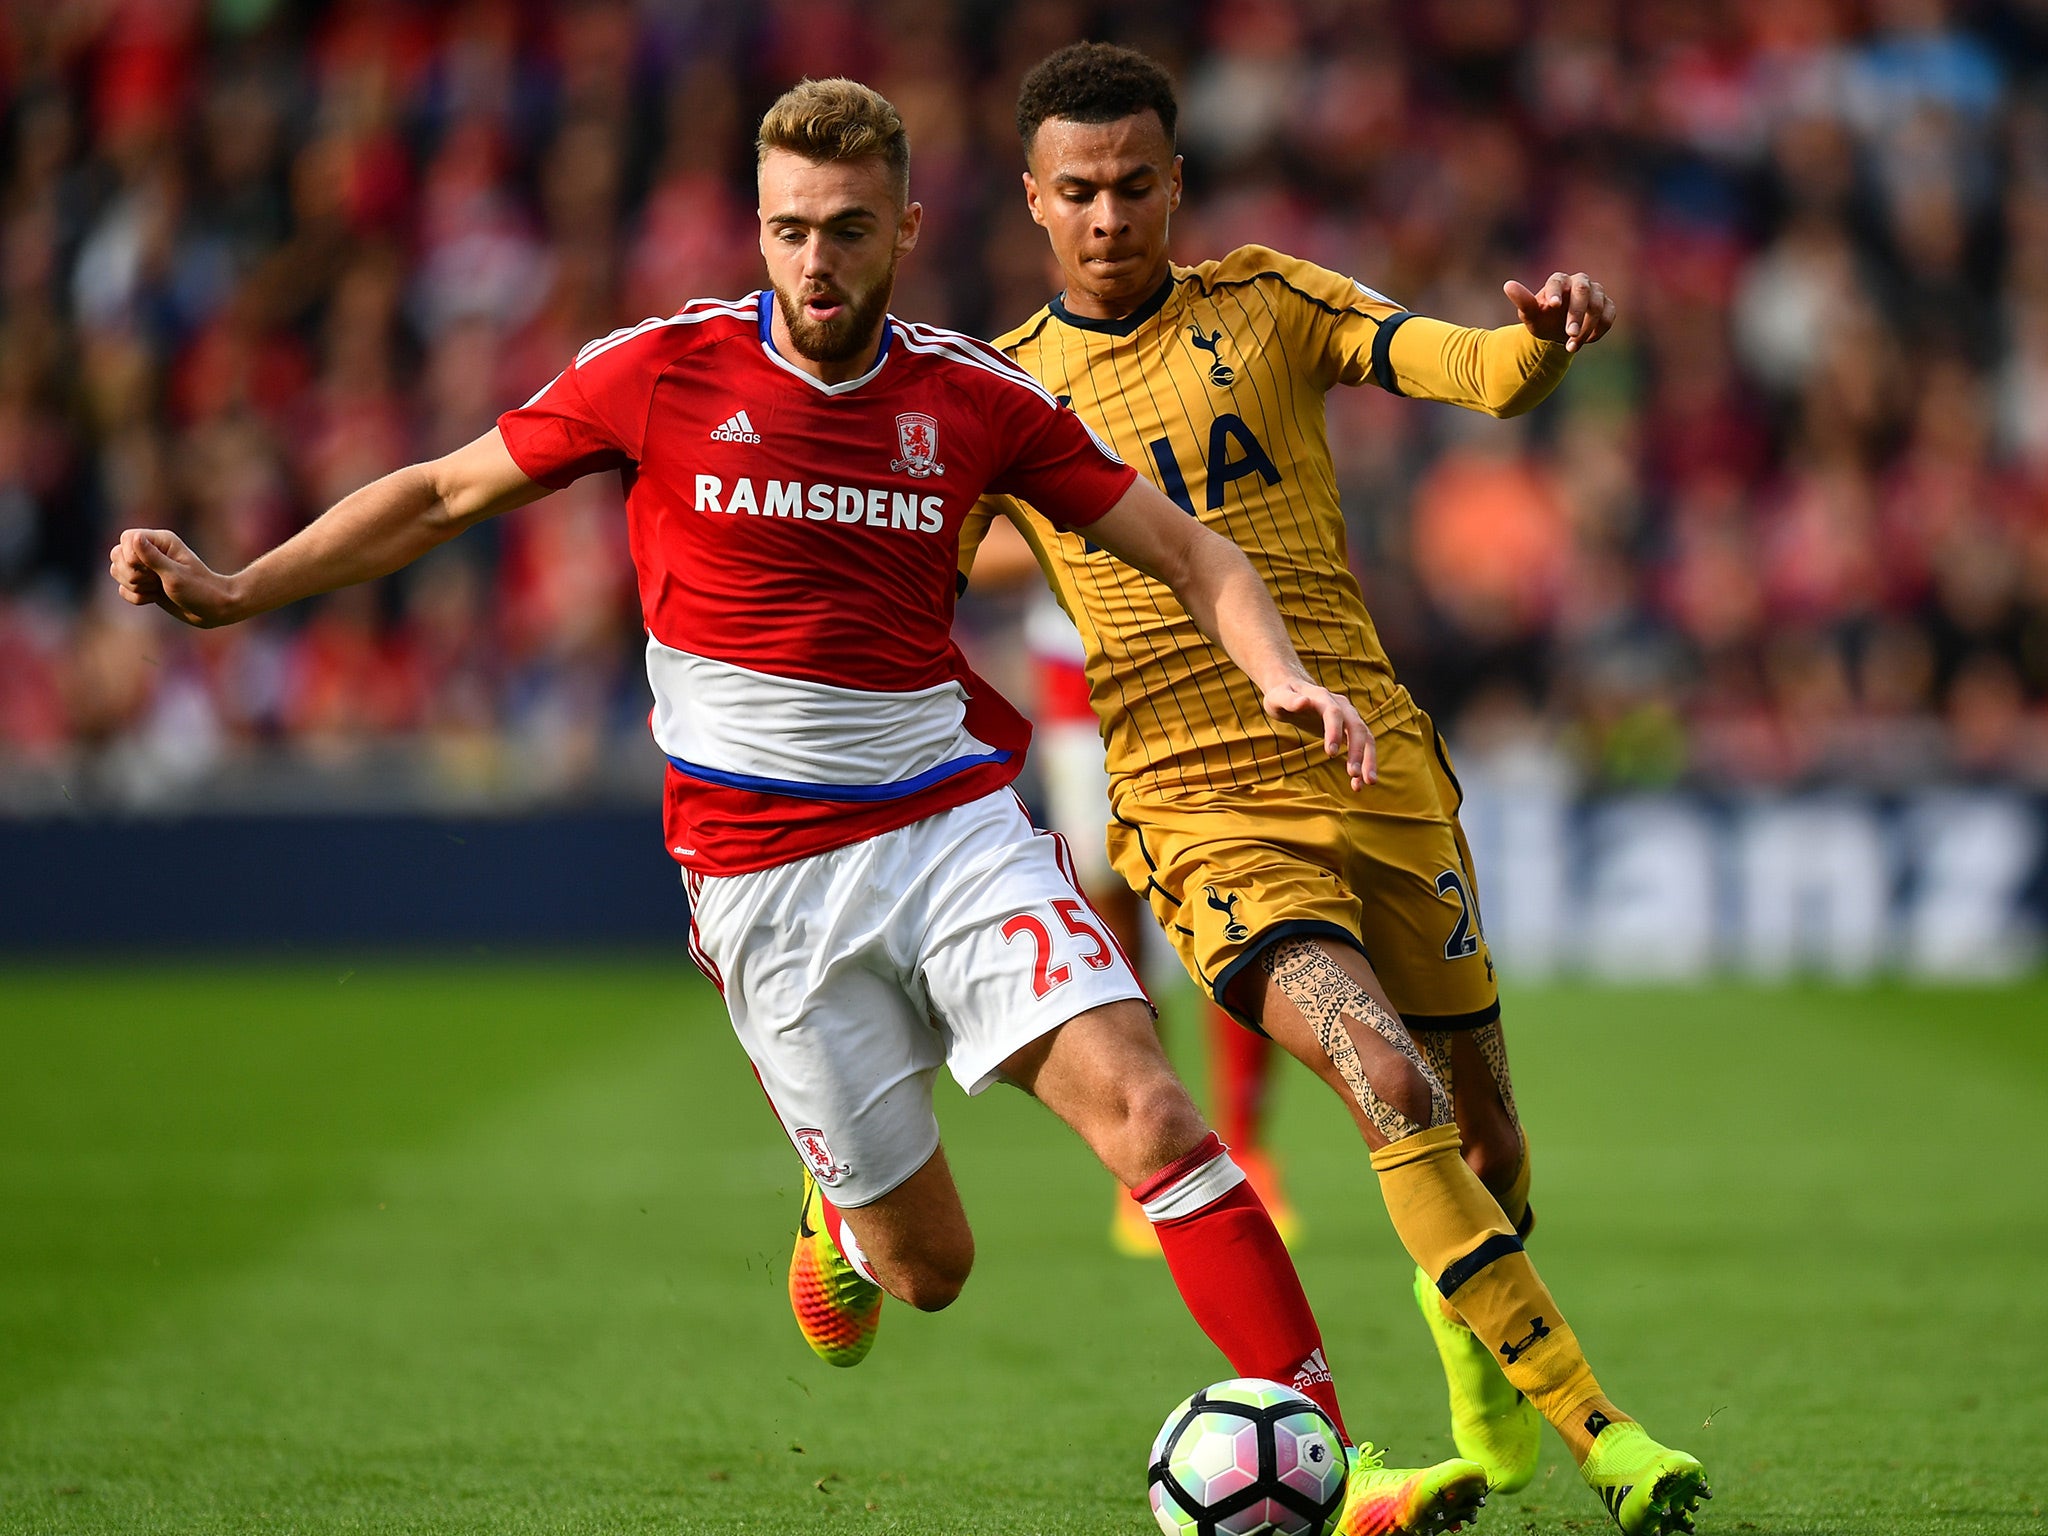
492	1247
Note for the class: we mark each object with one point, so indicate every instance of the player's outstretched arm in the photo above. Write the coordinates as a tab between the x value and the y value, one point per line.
1509	369
1230	604
389	523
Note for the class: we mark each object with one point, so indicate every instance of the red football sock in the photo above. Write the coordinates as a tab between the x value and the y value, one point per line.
1239	1062
1234	1273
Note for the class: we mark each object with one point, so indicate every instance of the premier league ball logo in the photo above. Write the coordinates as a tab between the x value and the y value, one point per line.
917	438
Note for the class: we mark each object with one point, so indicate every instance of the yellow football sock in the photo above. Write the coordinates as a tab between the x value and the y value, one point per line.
1458	1233
1514	1204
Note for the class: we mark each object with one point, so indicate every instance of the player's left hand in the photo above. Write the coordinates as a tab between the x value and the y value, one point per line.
1302	703
1571	308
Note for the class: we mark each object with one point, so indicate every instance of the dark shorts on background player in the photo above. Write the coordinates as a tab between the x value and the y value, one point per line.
1385	869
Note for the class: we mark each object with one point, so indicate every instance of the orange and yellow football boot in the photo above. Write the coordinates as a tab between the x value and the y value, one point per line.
1262	1170
1130	1229
1131	1233
837	1308
1419	1501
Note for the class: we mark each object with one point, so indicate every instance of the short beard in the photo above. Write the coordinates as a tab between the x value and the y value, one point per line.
834	341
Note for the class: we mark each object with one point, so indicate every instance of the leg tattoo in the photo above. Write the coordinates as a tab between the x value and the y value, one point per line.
1435	1045
1436	1048
1493	1050
1330	999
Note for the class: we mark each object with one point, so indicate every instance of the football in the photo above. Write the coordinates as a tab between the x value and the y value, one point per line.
1247	1458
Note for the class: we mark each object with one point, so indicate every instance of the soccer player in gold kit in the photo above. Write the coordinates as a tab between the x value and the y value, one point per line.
1340	919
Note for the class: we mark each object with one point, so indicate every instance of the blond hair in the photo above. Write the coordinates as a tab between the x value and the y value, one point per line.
838	119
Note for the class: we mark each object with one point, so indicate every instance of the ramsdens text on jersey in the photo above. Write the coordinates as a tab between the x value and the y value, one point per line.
873	506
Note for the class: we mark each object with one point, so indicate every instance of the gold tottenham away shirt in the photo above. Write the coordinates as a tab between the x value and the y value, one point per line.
1214	389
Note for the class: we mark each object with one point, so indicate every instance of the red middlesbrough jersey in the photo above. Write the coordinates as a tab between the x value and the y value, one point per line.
796	544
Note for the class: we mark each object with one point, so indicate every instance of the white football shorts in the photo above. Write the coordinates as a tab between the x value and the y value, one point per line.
853	975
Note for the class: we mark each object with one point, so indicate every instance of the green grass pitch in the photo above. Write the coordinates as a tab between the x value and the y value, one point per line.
499	1247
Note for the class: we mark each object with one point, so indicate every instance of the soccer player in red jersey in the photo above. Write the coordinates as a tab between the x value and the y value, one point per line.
865	888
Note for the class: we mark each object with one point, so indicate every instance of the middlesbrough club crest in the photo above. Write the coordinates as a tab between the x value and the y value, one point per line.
917	439
817	1156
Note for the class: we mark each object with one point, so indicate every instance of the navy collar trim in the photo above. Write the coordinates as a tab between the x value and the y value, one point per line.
1123	327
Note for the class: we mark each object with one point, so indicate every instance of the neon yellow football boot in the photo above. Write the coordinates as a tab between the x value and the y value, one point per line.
1650	1489
837	1308
1491	1422
1421	1501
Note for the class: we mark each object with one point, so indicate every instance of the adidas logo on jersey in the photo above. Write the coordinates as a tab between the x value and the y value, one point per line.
736	429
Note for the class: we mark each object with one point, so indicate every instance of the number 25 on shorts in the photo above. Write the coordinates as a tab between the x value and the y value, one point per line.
1073	915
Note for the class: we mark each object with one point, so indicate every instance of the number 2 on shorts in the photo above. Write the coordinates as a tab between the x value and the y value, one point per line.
1044	974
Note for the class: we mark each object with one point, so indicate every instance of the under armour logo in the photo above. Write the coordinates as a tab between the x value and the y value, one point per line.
1515	1349
1220	373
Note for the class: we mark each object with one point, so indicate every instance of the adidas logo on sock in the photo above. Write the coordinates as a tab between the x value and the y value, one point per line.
736	429
1313	1371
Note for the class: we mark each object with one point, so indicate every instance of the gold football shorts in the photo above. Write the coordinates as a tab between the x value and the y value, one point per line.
1386	870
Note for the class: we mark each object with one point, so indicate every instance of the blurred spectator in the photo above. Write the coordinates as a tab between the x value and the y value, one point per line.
1790	522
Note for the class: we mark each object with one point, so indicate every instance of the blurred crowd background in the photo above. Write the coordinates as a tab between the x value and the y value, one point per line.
1789	524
